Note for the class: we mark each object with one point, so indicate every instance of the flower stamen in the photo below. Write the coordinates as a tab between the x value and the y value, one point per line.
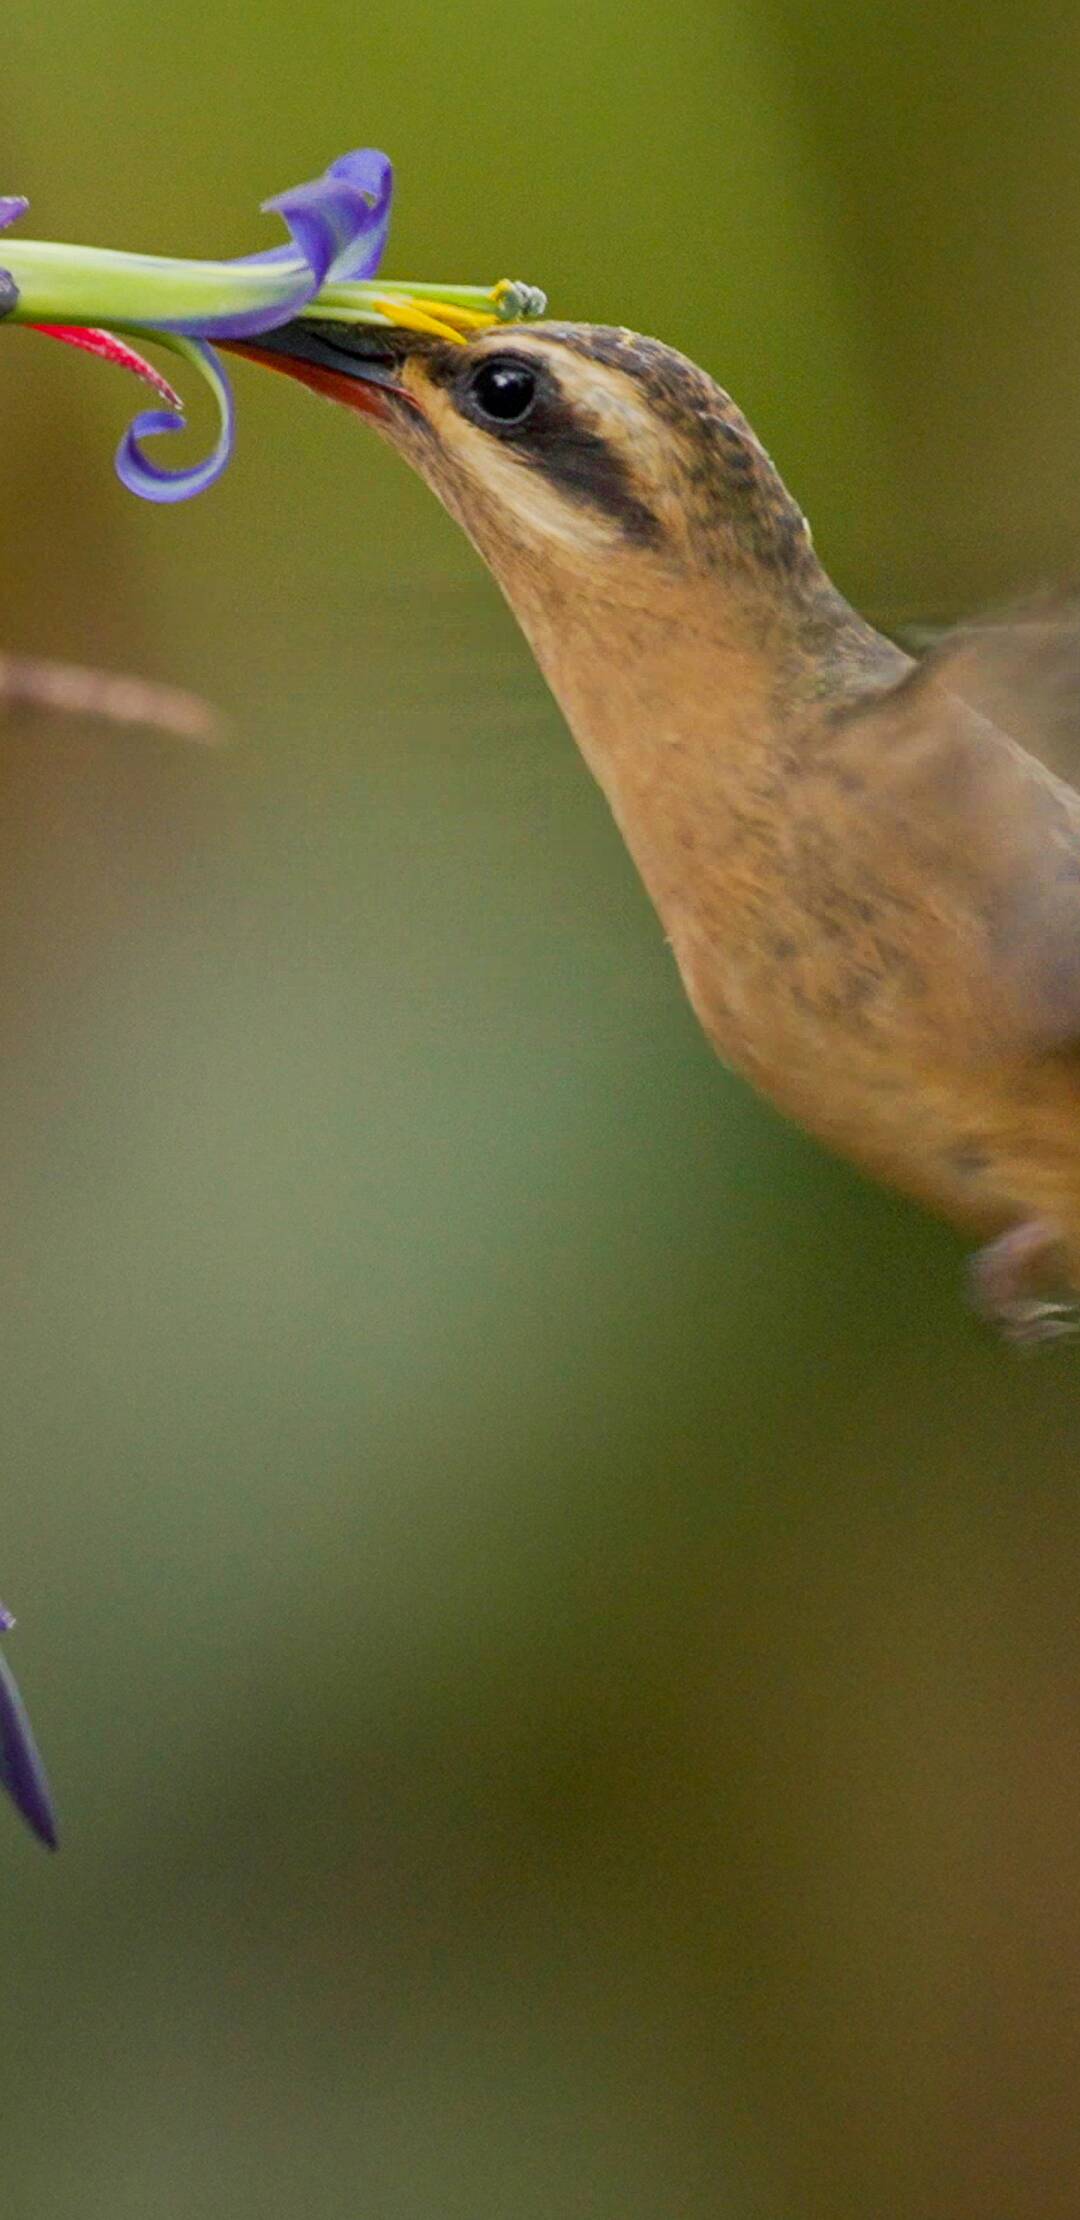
409	316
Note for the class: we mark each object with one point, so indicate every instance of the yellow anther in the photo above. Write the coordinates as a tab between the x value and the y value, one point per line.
409	316
465	319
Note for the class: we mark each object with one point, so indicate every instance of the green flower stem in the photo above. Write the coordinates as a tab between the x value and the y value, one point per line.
355	300
98	285
61	284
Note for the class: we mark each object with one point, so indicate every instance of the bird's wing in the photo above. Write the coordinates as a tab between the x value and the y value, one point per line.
972	751
1020	670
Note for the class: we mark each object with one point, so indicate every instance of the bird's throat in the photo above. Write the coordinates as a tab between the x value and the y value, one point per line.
675	707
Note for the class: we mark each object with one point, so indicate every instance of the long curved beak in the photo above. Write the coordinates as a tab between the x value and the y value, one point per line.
350	363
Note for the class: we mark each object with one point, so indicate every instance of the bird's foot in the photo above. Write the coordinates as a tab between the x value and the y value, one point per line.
1020	1284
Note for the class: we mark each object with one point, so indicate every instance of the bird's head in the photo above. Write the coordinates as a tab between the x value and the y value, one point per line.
652	555
578	458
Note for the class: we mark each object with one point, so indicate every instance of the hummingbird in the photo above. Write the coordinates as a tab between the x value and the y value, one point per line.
866	865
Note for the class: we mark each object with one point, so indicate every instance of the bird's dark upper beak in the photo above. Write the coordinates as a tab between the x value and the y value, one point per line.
357	365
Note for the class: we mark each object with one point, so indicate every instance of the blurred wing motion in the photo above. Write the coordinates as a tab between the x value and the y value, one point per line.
970	757
1021	670
21	1770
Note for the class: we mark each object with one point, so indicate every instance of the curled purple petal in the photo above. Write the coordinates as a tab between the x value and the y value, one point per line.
362	244
338	223
21	1770
133	465
371	174
325	218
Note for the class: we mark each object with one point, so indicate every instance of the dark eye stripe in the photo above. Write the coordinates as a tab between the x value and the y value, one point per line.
589	470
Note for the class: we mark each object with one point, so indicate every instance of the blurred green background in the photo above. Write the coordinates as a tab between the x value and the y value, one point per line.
555	1636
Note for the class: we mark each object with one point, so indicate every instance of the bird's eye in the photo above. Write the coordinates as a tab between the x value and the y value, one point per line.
502	391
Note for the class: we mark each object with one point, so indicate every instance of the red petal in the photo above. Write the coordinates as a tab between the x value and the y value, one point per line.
111	349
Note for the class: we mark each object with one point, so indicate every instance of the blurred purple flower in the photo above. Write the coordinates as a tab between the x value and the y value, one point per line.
21	1770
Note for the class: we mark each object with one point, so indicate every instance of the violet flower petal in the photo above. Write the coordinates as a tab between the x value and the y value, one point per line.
336	227
21	1770
371	175
12	206
133	465
339	223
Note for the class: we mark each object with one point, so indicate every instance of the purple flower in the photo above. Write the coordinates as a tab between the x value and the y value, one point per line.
338	225
21	1770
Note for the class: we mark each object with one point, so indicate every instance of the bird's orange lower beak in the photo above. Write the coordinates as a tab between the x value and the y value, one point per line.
346	363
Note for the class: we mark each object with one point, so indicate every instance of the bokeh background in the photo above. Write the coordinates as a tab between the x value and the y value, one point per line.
556	1637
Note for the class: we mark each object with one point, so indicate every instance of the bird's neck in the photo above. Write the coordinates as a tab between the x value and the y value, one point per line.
690	708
